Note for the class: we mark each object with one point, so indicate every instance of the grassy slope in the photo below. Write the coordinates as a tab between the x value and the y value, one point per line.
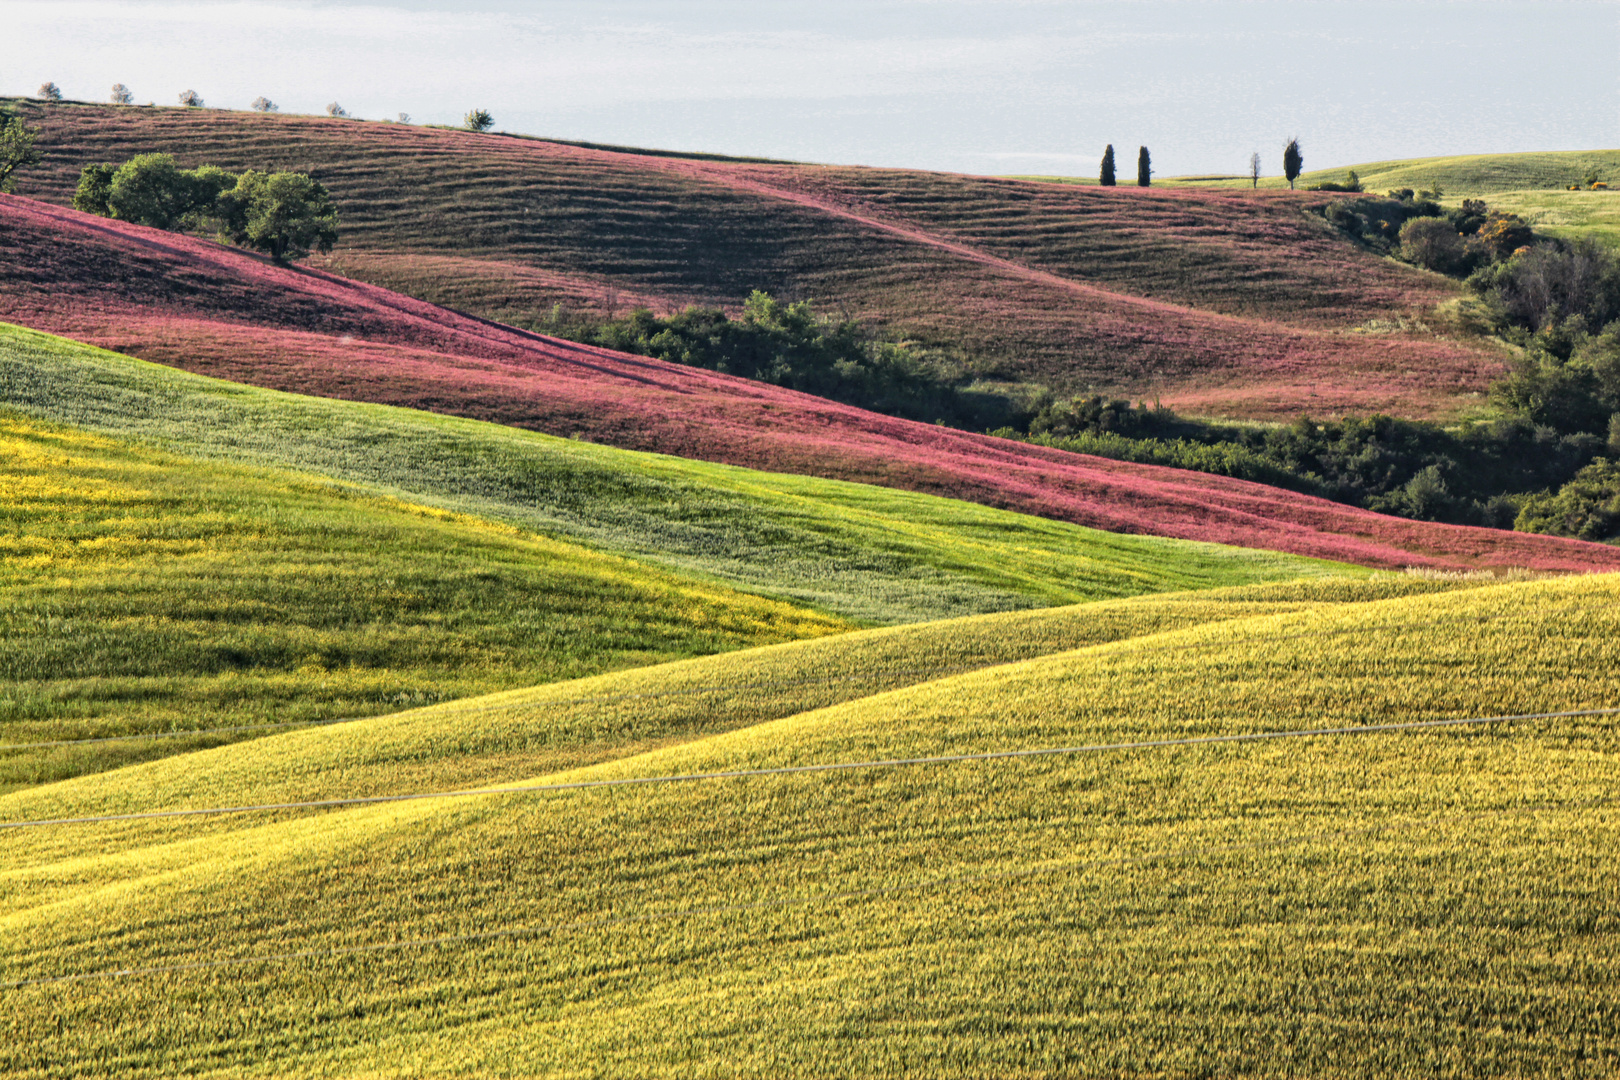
861	552
1532	184
145	592
1438	903
1122	290
225	313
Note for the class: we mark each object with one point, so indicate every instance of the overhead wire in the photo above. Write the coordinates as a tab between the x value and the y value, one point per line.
793	770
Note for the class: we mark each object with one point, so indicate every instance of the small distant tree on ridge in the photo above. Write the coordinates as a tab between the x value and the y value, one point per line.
479	120
264	104
1106	176
191	99
49	92
1254	169
121	95
1144	168
1293	162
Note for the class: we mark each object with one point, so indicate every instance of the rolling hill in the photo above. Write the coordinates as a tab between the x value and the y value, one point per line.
592	394
1534	185
1430	899
1215	302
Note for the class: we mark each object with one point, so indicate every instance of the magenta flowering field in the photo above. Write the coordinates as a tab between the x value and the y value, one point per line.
1217	302
222	312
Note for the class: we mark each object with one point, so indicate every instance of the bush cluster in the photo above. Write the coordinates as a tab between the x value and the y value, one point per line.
790	345
283	214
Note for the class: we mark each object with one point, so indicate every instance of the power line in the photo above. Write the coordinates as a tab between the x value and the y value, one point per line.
790	770
720	688
509	933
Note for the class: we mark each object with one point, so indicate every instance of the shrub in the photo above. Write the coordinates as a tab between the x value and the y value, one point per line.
191	99
333	109
1435	244
479	120
1587	508
49	92
121	95
1540	287
264	104
1351	183
1505	233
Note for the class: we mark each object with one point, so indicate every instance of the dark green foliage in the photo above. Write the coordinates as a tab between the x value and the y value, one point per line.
1566	379
479	120
17	149
1144	168
285	215
1588	507
150	189
1550	283
1293	161
1477	475
1106	176
1375	223
790	345
1435	244
95	188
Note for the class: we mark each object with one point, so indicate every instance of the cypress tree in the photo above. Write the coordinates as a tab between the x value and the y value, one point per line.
1106	177
1144	168
1293	162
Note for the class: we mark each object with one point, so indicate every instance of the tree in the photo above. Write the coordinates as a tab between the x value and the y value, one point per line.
1106	176
95	188
191	99
1144	168
148	189
285	215
404	117
264	104
1254	169
16	149
1293	162
336	111
121	95
49	92
479	120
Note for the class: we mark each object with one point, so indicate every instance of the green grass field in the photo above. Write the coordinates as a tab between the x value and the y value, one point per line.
1436	903
143	592
874	555
1533	185
194	555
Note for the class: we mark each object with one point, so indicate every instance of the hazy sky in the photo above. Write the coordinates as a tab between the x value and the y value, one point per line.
989	86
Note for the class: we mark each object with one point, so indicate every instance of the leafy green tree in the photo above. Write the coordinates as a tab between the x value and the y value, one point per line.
1293	162
336	111
149	189
1144	168
191	99
264	104
479	120
285	215
49	92
1106	176
1588	507
17	149
95	188
121	95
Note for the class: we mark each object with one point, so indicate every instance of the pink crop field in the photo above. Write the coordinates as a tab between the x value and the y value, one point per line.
221	312
1222	303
